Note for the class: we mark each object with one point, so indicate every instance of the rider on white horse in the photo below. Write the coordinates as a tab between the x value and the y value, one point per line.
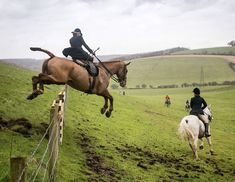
197	104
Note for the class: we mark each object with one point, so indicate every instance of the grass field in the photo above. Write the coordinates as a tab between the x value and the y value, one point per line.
138	143
157	71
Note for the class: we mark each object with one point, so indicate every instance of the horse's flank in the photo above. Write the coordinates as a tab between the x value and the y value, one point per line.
186	128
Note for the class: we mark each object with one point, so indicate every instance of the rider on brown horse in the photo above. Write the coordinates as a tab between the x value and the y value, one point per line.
76	51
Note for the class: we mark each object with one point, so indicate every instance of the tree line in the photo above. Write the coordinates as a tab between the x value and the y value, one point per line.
183	85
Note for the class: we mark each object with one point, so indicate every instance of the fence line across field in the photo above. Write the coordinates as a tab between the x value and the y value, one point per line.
55	130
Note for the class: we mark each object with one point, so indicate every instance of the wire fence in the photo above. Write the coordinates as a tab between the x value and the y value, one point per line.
44	168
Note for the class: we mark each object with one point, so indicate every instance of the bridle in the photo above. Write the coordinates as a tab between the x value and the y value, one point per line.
118	80
208	115
122	79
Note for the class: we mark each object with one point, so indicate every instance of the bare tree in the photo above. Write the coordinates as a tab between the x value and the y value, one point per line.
232	43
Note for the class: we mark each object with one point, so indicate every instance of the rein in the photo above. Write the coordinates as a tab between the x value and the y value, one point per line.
112	75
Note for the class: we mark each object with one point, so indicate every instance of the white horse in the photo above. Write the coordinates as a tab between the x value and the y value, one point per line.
192	128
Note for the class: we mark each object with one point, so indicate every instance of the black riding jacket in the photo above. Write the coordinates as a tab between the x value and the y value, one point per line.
78	42
196	105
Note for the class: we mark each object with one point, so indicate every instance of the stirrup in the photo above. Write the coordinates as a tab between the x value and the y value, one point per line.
207	135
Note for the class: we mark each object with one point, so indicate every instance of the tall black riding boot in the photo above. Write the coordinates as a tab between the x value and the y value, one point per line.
206	130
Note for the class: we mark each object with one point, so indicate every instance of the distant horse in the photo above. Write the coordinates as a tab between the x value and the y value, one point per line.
192	128
167	103
60	71
187	106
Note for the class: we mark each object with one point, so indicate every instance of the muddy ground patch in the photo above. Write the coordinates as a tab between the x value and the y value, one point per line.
100	169
177	167
23	126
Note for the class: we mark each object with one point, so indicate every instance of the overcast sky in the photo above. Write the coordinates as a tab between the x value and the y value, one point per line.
116	26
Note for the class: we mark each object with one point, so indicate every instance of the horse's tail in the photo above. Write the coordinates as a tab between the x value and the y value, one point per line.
42	50
184	130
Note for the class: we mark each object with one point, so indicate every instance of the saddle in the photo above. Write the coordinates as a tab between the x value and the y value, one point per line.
91	68
93	71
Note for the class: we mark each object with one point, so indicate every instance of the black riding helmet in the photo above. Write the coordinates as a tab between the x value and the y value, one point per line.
196	91
76	31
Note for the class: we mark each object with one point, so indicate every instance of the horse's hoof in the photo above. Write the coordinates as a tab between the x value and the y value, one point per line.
32	96
108	114
212	152
39	92
102	110
201	147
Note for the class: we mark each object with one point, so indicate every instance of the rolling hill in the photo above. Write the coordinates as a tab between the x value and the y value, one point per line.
208	51
163	70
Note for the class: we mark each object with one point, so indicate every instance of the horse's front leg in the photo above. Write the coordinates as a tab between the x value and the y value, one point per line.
209	142
107	97
210	145
109	112
104	108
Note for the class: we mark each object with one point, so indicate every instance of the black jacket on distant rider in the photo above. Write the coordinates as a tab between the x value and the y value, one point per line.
197	104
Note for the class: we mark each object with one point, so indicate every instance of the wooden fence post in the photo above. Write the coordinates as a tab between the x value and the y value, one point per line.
56	132
18	164
53	143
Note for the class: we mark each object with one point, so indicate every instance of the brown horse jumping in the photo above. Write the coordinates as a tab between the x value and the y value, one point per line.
56	70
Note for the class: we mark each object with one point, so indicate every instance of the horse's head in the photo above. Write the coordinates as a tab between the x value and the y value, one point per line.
207	111
122	73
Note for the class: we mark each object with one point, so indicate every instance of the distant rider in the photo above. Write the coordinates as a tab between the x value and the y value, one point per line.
76	51
187	102
197	104
167	99
187	106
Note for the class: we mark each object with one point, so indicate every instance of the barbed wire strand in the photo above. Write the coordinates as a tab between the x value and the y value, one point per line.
45	170
34	152
53	170
44	175
42	159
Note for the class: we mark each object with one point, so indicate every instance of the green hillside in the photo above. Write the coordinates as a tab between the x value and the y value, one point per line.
209	51
138	143
156	71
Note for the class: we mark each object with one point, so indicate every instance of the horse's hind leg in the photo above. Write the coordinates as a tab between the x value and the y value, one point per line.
193	145
36	92
41	79
35	81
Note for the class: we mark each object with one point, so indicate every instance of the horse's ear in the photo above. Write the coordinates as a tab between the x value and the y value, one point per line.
127	64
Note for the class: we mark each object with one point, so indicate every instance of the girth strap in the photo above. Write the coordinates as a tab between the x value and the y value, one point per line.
91	85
